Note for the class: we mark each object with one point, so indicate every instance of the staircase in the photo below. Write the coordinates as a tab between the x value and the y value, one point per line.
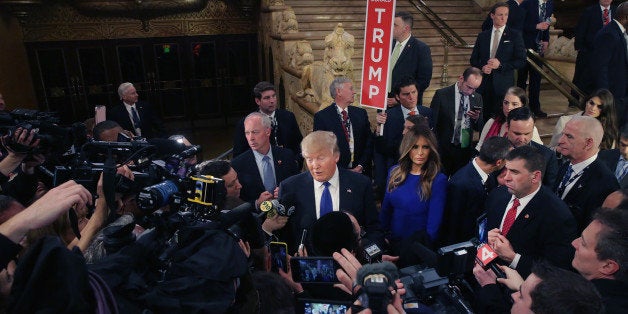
317	18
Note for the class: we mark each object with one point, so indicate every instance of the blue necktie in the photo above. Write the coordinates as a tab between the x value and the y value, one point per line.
622	168
269	176
563	183
326	204
136	118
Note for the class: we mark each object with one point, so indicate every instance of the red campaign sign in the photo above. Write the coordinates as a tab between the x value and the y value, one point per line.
380	15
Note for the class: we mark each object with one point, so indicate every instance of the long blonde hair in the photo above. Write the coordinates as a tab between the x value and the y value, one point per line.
429	170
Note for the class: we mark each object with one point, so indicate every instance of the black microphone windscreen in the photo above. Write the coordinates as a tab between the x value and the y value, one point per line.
166	147
388	269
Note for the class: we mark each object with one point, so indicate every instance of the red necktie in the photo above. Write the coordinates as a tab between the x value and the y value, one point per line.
412	112
510	217
345	124
605	17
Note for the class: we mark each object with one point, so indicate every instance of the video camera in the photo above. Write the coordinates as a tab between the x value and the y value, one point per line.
441	288
54	140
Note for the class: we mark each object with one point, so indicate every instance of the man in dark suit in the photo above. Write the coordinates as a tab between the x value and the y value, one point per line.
497	60
457	111
285	130
610	64
260	178
467	191
386	152
536	37
325	188
516	14
591	21
351	126
584	182
520	129
616	160
135	116
527	221
410	57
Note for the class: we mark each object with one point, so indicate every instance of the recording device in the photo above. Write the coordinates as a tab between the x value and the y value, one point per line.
308	306
476	108
278	256
441	289
377	281
302	243
372	251
273	208
486	257
54	140
314	269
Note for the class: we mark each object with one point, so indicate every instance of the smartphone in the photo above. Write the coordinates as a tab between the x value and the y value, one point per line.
476	108
482	232
309	306
100	114
278	256
314	269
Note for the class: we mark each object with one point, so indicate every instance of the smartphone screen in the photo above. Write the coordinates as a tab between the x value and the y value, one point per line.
324	306
482	232
314	269
278	256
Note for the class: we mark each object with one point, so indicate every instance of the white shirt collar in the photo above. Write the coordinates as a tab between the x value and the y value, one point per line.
481	172
259	156
406	111
524	200
583	164
501	29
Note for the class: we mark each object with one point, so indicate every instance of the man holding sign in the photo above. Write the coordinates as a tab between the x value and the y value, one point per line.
526	221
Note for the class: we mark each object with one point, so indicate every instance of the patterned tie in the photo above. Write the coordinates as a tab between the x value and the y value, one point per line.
274	131
345	124
622	168
495	43
542	12
459	116
326	204
563	183
605	17
511	215
269	176
136	118
393	60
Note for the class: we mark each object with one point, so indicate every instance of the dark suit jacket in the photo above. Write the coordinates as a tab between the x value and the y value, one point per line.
252	185
516	14
328	119
444	113
356	197
589	24
151	123
610	64
510	53
589	191
465	203
388	144
543	230
415	61
530	32
610	158
288	134
551	164
614	295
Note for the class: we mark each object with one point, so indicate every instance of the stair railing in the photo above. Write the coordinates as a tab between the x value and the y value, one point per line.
449	37
553	76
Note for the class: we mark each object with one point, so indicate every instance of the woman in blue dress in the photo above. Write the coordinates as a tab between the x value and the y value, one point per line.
415	195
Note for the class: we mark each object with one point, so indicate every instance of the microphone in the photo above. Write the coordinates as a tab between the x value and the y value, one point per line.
273	207
486	257
372	251
376	279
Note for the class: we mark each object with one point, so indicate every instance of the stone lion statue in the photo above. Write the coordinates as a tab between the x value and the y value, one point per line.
300	55
318	75
288	23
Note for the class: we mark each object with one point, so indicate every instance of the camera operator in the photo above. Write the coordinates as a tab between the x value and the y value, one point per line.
108	131
17	168
548	289
600	258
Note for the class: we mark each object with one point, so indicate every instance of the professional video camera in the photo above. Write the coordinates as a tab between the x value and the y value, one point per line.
443	289
54	140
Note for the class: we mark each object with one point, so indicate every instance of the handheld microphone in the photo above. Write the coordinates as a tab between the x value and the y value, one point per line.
486	257
273	207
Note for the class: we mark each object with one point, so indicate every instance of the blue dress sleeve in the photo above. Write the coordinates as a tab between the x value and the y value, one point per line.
436	205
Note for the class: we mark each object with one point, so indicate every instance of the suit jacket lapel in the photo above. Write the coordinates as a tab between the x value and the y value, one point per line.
528	213
345	192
